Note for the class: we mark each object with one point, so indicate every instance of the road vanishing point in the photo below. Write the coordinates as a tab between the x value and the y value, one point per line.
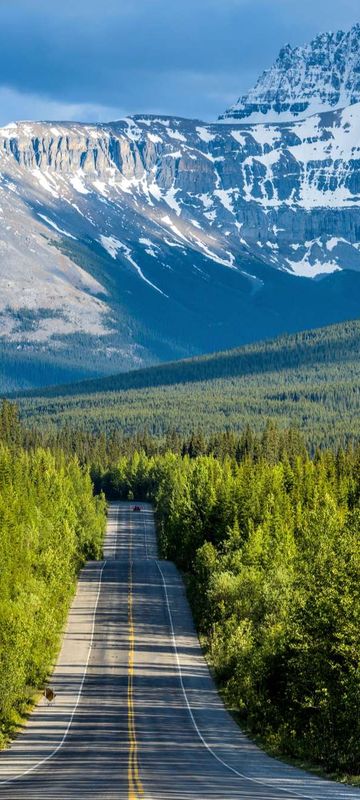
136	714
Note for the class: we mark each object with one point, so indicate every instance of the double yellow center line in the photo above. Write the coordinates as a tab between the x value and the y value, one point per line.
135	788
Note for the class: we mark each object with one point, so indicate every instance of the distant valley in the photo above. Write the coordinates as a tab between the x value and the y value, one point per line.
308	380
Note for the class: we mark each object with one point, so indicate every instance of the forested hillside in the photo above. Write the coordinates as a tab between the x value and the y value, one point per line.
310	380
50	523
271	550
170	275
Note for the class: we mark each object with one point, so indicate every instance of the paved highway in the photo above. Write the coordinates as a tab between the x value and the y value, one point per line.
136	713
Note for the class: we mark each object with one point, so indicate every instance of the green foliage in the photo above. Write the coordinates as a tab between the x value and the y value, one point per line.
50	523
310	381
266	530
274	558
270	545
10	428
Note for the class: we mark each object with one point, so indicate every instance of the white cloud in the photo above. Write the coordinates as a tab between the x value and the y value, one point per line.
18	106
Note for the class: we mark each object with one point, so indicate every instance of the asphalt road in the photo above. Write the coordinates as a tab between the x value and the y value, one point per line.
136	713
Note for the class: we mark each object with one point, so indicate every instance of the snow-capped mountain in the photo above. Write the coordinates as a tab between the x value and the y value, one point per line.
322	76
152	238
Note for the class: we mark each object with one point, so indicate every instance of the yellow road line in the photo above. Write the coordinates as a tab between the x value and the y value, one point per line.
135	788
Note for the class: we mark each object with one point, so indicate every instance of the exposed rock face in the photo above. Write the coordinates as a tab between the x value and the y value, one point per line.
323	75
286	195
166	237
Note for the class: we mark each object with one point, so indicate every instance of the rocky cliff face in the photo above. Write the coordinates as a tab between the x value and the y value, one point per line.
286	195
324	75
156	237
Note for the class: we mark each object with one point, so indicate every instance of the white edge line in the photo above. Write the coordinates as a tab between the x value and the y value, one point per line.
145	535
61	743
117	522
271	787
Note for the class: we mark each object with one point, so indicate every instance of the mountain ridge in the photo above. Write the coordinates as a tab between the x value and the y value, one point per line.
320	76
155	237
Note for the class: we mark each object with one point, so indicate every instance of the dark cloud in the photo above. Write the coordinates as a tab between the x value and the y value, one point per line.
189	57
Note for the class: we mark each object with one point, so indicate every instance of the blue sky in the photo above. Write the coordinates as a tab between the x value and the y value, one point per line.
86	60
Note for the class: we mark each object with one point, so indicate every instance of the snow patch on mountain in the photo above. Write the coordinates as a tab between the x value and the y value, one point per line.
205	135
305	269
164	197
56	227
78	183
320	76
113	246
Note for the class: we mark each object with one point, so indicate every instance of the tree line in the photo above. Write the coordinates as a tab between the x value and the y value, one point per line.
310	380
266	533
270	550
50	524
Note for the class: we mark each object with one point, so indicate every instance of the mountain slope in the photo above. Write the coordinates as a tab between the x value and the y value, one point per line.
151	238
321	76
147	239
310	379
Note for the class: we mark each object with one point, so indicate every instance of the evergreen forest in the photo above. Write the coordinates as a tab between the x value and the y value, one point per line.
309	380
252	462
269	545
50	524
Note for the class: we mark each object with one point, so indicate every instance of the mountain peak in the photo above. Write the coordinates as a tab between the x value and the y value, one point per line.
320	76
285	51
